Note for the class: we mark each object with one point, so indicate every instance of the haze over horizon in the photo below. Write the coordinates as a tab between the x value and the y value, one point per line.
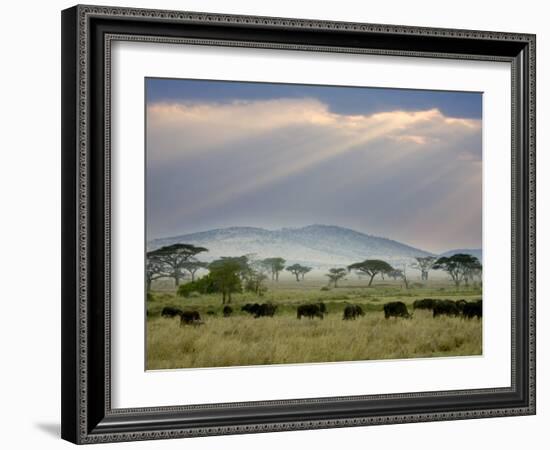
399	164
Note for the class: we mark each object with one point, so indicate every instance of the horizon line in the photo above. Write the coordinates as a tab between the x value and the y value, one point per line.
308	226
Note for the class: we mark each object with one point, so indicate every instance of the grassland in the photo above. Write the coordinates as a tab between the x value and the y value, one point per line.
241	340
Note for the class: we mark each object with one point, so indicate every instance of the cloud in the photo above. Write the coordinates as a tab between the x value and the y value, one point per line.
204	157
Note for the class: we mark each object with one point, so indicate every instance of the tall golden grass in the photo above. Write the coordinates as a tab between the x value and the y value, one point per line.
242	340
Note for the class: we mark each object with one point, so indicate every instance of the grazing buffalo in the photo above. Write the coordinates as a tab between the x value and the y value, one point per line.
251	308
265	310
396	309
426	303
310	310
170	311
227	311
322	308
352	311
190	318
260	310
445	308
472	309
460	305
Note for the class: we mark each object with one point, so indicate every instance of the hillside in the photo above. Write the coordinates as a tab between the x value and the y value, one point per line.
318	246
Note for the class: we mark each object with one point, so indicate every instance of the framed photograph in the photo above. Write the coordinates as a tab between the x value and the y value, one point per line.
279	224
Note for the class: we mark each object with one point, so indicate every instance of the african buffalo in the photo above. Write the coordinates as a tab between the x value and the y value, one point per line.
251	308
310	310
260	310
265	310
170	311
190	318
227	311
472	309
396	309
426	303
460	305
445	308
352	311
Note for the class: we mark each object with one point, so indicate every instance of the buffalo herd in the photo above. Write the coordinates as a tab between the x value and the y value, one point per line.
456	308
451	308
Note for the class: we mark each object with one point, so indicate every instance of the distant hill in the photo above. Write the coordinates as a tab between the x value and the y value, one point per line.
477	252
318	246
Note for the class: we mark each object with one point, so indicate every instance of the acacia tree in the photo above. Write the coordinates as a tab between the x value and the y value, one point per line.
255	282
255	275
192	266
304	270
424	264
225	276
154	270
298	271
173	258
458	266
335	274
472	270
395	274
403	275
275	265
371	267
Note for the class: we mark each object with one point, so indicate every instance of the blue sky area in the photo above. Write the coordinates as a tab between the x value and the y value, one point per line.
342	100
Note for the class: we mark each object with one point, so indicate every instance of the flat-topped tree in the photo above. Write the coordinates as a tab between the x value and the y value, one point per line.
459	266
275	265
305	270
424	264
371	267
154	270
192	266
335	274
395	274
298	271
173	258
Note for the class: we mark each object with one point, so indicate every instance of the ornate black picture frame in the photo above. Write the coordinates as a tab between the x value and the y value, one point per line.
87	34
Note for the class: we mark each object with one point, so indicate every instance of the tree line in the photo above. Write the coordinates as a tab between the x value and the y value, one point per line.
229	275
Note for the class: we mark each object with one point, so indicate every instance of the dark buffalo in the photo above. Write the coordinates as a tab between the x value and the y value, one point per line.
265	310
426	303
251	308
460	305
352	311
190	318
445	308
472	309
227	311
310	310
322	308
170	311
396	309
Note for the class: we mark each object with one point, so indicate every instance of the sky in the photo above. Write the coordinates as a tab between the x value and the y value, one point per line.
398	163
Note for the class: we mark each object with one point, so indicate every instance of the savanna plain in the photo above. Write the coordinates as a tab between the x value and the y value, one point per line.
240	339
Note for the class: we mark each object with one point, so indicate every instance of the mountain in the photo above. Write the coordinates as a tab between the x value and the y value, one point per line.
477	252
318	246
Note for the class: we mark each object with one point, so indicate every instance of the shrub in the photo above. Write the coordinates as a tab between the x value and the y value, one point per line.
325	288
203	285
